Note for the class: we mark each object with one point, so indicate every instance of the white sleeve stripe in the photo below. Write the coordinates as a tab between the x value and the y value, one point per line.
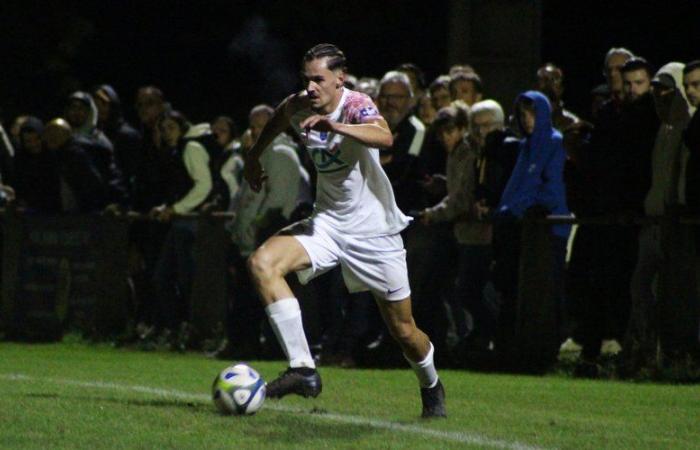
417	143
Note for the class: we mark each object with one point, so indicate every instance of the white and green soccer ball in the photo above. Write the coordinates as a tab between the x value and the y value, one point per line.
238	390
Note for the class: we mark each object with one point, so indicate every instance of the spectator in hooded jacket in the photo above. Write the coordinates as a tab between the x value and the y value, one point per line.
36	178
666	196
81	114
124	137
536	185
537	176
79	184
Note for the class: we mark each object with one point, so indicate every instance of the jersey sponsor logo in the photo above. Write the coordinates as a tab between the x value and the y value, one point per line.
327	160
369	111
324	135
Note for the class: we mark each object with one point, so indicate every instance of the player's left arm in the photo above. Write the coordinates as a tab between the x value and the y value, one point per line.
374	133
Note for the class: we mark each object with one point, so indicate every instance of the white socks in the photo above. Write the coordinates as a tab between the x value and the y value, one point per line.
285	318
425	370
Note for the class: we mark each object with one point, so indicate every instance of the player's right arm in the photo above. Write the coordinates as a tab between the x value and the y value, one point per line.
253	171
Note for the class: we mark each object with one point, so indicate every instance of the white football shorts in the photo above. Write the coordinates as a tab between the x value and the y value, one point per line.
375	264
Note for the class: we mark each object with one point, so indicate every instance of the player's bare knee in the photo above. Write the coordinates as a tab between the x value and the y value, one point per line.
403	332
261	265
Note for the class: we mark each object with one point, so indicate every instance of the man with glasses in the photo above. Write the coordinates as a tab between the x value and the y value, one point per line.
401	161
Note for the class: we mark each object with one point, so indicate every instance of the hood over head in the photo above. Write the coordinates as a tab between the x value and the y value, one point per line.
107	93
544	131
674	109
90	124
32	124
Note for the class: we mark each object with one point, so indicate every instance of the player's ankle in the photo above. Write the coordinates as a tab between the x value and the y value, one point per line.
305	371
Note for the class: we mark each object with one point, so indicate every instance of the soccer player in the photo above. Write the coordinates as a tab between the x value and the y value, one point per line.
355	224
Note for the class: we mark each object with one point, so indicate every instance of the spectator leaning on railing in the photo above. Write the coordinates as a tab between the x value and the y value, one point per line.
458	207
190	183
36	178
536	187
79	183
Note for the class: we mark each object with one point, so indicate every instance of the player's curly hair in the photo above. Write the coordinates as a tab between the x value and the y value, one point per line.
336	57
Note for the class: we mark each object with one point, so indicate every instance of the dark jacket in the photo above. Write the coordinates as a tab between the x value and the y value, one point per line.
36	178
405	170
538	175
190	183
495	166
691	137
76	171
127	141
616	163
103	160
630	180
149	185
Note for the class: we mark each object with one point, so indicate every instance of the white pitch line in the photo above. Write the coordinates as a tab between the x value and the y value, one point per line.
464	438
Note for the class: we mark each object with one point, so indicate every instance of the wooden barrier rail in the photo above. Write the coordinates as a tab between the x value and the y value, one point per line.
74	268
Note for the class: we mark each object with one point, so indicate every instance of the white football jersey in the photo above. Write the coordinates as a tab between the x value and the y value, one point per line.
353	193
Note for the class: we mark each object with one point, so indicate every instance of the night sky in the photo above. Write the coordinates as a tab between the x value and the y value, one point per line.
216	57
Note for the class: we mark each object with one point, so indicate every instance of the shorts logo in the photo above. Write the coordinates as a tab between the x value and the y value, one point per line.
392	291
327	160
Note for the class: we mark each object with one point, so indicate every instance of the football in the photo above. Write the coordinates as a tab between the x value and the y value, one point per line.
238	390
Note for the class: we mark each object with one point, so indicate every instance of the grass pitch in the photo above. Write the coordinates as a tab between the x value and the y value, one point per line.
74	396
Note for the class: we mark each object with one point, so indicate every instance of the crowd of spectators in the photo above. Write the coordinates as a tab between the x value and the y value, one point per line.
460	165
